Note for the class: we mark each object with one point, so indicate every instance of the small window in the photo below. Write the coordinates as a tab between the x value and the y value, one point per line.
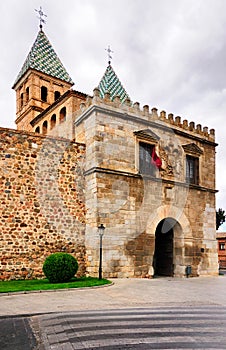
56	95
192	170
37	130
44	127
222	246
44	92
27	94
62	114
53	121
145	158
21	100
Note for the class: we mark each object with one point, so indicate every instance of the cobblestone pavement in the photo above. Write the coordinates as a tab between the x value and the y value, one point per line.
149	328
164	313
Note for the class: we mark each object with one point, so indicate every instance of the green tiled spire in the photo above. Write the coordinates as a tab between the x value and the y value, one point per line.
43	58
110	83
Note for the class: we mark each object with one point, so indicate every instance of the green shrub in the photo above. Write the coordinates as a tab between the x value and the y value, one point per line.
60	267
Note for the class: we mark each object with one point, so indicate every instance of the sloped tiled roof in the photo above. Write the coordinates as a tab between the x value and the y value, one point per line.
43	58
110	83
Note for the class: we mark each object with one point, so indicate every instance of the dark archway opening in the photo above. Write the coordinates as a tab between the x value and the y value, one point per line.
163	257
44	127
44	93
56	95
53	121
27	94
62	114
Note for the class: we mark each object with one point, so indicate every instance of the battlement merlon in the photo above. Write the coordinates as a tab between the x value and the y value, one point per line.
131	110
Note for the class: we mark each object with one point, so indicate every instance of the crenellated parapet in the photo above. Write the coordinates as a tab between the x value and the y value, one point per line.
148	114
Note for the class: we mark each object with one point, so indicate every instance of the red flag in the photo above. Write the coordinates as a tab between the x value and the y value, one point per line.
155	159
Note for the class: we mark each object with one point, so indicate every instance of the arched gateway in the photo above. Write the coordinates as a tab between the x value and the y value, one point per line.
167	238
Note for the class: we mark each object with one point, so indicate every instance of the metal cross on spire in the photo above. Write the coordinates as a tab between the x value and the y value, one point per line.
41	15
109	51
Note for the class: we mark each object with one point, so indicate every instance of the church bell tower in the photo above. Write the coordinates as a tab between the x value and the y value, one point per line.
40	82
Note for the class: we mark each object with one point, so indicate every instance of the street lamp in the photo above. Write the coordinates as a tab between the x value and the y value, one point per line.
101	229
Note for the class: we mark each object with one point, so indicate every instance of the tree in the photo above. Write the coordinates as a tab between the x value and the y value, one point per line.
220	217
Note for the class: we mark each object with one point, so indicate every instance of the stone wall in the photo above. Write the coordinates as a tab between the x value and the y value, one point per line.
132	205
42	206
55	193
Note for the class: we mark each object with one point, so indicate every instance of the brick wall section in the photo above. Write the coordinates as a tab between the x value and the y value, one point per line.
42	202
71	101
221	239
33	105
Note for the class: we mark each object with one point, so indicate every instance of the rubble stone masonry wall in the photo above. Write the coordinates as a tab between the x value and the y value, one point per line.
42	206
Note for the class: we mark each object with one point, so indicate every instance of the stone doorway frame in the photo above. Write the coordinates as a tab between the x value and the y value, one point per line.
182	234
177	246
163	259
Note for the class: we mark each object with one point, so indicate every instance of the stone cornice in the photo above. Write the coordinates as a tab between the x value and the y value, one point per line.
147	177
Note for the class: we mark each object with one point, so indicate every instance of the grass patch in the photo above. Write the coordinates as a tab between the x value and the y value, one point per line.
44	284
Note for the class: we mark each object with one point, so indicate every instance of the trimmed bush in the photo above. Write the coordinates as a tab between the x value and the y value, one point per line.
60	267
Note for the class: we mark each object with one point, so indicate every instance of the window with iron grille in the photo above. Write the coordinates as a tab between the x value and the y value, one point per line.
145	159
192	170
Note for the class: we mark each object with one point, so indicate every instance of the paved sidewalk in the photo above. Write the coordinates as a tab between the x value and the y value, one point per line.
55	317
124	293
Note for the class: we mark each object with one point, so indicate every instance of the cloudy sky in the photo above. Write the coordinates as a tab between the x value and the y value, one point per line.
169	54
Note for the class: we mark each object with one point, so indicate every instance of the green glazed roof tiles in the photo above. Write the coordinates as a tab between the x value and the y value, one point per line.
43	58
110	83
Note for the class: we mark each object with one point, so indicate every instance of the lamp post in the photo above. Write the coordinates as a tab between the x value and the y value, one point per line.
101	229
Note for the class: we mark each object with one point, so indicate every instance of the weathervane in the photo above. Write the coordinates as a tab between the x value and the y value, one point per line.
109	51
41	15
